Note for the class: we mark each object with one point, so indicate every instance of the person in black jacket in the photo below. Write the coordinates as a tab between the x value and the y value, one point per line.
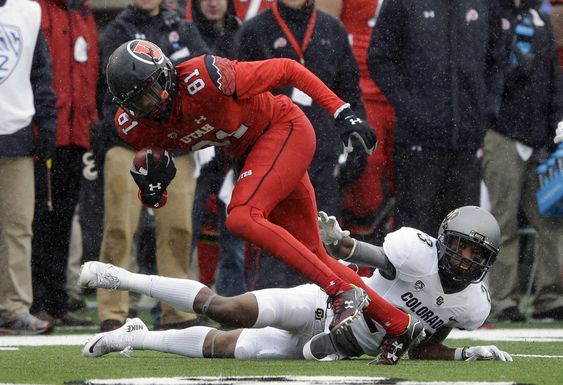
179	40
532	107
440	65
297	30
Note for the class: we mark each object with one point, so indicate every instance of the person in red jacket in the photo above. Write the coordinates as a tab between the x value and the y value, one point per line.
75	63
368	201
213	101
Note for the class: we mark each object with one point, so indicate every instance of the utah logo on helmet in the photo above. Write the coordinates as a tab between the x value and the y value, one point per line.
145	51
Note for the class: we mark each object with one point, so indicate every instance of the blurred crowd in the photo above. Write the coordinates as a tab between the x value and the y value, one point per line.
465	98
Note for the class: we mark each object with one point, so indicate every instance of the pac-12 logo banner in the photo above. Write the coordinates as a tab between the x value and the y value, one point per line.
11	45
145	51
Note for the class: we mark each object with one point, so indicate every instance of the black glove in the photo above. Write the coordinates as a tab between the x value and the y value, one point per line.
153	181
349	170
350	126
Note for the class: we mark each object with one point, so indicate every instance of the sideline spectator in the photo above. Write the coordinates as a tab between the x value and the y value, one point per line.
147	19
522	136
369	199
440	65
75	63
295	29
26	95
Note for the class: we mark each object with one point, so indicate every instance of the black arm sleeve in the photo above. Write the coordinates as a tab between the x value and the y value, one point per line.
42	83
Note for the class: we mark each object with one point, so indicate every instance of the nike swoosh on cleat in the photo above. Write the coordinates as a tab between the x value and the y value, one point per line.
91	350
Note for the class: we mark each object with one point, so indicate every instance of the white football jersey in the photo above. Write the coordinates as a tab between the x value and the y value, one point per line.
417	290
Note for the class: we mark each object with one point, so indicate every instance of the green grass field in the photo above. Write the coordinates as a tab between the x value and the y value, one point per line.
64	364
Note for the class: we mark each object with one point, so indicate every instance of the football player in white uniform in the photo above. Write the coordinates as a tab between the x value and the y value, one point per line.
436	281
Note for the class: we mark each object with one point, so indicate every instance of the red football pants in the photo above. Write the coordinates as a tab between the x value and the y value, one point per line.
273	206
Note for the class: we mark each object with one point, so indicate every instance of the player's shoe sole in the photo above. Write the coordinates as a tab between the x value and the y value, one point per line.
347	306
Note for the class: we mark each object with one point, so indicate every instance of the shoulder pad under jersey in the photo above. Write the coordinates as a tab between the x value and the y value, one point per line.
411	251
222	73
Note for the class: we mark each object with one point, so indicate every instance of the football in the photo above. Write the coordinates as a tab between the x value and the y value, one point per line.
140	159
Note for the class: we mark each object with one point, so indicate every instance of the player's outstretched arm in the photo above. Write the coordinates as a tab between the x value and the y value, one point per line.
342	246
256	77
432	348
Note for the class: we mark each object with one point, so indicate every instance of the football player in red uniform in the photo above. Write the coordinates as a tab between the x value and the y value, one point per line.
212	101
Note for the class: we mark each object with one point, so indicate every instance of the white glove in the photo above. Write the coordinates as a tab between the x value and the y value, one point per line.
330	230
475	353
559	133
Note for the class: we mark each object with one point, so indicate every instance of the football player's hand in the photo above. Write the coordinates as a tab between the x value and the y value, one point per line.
559	133
350	167
491	352
153	200
330	230
154	179
355	132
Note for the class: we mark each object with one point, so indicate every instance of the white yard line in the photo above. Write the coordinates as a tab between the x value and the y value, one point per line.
289	380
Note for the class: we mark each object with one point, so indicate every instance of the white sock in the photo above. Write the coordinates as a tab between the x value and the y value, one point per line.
179	293
185	342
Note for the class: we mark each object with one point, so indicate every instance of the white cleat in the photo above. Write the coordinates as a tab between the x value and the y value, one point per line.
116	340
98	275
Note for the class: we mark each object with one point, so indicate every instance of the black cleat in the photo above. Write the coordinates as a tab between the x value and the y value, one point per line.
347	306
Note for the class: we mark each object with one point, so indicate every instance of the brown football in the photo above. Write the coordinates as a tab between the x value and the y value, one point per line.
140	159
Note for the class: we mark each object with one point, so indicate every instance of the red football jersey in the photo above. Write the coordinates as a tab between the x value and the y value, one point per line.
225	103
359	18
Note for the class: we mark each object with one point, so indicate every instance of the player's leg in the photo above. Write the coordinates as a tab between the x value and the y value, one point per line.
305	229
275	166
298	311
182	294
197	342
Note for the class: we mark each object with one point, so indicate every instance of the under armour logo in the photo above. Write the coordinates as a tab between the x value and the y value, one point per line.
200	119
397	347
354	121
428	14
153	187
348	304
